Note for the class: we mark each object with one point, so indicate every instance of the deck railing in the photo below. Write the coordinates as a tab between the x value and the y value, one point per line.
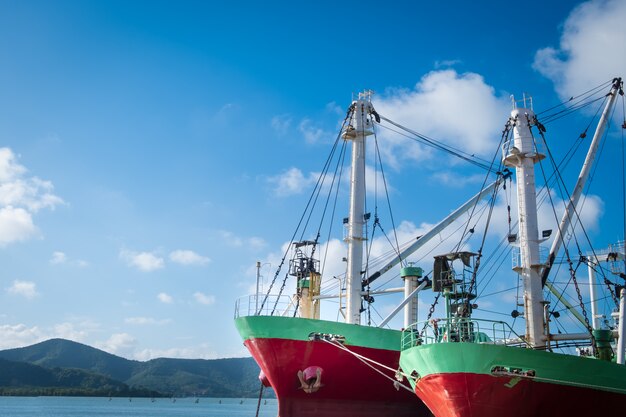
273	305
456	330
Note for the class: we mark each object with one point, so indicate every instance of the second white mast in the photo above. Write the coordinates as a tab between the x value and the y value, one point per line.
360	127
523	154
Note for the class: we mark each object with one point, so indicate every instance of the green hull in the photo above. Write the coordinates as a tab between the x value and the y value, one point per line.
477	358
294	328
485	380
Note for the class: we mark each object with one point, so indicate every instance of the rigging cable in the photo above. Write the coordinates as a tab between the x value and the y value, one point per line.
438	145
572	271
563	188
282	262
623	176
589	92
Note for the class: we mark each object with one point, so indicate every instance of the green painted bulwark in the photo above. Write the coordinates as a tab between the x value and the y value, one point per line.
294	328
476	358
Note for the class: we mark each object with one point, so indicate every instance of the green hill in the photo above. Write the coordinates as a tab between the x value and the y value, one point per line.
63	353
235	377
21	378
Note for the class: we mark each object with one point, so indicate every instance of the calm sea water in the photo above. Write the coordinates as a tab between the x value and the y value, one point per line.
138	407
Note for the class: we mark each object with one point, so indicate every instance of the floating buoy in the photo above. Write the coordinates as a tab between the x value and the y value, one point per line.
264	380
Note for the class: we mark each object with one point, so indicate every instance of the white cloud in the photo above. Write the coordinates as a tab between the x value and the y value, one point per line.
16	224
204	298
20	198
312	134
292	182
58	258
144	261
203	351
335	108
26	289
188	257
458	180
9	168
233	240
33	193
281	123
256	242
69	331
230	238
458	109
590	50
122	344
18	335
165	298
142	321
590	210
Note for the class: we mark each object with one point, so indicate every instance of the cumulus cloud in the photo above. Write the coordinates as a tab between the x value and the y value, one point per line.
233	240
165	298
144	261
69	331
60	258
292	182
122	344
16	190
16	224
10	169
461	110
203	351
312	134
26	289
590	210
204	298
590	49
188	257
20	198
18	335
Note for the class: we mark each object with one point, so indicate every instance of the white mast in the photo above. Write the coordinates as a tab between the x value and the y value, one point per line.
360	127
523	155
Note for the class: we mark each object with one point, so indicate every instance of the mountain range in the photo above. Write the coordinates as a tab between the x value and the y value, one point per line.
64	367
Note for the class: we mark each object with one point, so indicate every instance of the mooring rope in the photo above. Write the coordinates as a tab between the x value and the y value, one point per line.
367	361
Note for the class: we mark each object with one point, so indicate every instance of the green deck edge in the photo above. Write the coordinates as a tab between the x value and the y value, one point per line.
294	328
477	358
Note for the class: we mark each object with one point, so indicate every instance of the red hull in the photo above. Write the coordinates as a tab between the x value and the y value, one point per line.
349	387
479	395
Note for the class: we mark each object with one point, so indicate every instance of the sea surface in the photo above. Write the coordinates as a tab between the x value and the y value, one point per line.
135	407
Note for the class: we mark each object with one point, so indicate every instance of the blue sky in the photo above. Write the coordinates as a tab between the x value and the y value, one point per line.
152	152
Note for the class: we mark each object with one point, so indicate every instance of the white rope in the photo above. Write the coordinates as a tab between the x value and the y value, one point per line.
367	361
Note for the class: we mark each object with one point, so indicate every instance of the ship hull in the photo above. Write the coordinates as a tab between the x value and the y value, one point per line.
349	387
484	380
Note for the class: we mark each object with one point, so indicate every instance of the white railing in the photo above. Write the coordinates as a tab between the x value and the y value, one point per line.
273	305
539	147
460	330
516	256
